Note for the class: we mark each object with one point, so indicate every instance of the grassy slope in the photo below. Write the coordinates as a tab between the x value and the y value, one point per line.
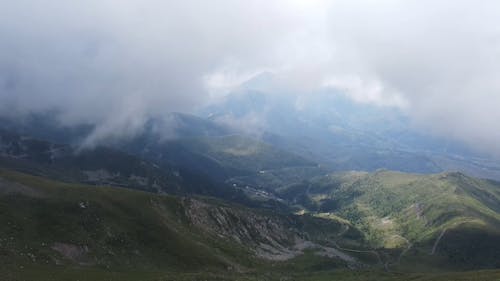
107	166
105	229
242	155
134	235
92	274
121	228
406	211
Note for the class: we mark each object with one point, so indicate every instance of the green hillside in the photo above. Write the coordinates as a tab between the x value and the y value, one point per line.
448	219
59	222
245	154
53	226
105	166
58	231
218	157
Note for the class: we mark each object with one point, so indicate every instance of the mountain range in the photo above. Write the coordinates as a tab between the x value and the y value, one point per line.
257	186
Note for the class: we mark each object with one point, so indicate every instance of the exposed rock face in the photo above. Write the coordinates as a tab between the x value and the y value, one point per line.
270	237
244	227
72	252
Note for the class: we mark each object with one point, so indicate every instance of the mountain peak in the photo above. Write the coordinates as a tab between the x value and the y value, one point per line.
264	81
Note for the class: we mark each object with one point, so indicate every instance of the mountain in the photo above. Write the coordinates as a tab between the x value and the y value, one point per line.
446	219
103	166
220	157
48	127
261	186
53	224
181	140
325	128
61	231
329	128
296	218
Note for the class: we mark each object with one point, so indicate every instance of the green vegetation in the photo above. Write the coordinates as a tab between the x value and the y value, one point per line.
60	231
103	227
51	273
447	220
314	226
241	155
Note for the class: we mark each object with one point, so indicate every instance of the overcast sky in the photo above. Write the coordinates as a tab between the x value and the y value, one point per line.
116	61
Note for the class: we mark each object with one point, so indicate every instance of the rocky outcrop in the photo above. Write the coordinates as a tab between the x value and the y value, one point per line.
271	237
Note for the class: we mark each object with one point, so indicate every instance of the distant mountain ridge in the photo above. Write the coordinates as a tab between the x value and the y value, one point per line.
335	131
243	201
103	166
327	129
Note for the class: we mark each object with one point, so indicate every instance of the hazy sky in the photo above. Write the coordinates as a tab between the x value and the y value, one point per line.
115	61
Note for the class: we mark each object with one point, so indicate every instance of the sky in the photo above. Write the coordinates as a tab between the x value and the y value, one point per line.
116	62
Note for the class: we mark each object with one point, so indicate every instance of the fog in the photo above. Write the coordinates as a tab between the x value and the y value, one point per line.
115	63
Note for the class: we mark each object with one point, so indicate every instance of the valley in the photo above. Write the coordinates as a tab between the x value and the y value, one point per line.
263	140
105	212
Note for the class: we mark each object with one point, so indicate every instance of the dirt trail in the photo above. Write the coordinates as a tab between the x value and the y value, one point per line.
408	247
437	241
361	251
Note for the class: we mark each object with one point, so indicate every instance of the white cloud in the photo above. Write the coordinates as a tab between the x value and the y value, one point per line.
366	91
437	59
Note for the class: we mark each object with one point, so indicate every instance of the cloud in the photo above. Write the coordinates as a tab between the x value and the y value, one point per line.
371	91
111	61
116	62
438	56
